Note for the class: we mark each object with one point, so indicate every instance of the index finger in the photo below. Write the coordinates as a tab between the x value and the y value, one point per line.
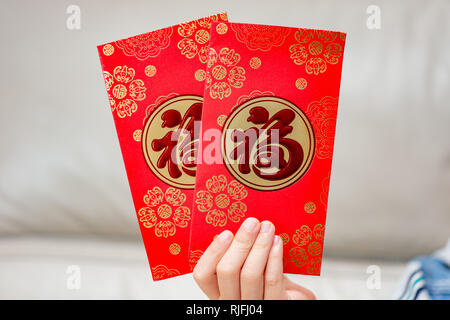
205	271
229	268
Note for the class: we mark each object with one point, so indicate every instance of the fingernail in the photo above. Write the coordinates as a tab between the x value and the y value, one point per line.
225	236
266	226
250	224
277	240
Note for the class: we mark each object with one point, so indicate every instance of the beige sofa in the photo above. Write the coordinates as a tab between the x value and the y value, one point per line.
64	196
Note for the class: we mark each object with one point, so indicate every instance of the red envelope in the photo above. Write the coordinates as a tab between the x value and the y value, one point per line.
154	86
268	122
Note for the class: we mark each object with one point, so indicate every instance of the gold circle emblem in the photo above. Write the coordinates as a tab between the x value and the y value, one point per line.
174	248
267	143
164	211
310	207
284	237
219	72
221	120
108	49
221	28
202	36
119	91
137	135
315	48
170	141
222	200
255	62
150	70
301	83
200	75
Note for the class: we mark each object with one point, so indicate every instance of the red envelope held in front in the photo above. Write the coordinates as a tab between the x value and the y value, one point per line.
270	106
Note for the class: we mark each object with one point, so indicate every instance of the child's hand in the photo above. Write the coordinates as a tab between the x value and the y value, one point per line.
247	266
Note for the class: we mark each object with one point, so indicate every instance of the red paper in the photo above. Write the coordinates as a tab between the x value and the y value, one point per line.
267	77
154	86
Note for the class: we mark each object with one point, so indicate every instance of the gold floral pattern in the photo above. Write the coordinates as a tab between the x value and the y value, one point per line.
314	265
251	95
260	37
157	102
299	256
195	38
322	115
164	211
302	236
315	49
124	90
308	247
147	45
222	201
223	73
161	272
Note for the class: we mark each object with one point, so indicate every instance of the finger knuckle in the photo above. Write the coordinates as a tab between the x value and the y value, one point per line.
226	270
261	245
272	280
243	243
249	276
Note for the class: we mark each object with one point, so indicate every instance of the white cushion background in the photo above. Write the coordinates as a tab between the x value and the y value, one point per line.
37	268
